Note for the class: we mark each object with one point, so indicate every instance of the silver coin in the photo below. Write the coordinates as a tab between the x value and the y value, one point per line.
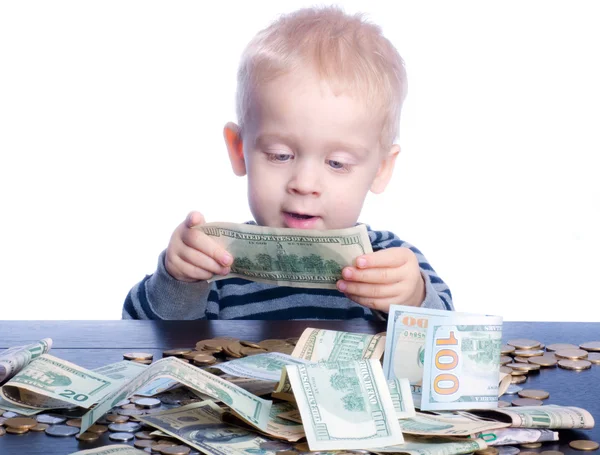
508	450
50	419
127	427
121	437
513	389
61	430
130	412
10	414
122	403
147	402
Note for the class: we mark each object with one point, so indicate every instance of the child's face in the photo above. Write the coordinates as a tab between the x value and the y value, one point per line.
311	156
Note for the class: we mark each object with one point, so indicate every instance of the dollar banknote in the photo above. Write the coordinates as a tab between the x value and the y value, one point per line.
508	436
265	367
251	408
436	425
114	449
402	399
292	415
49	383
289	257
552	417
415	445
201	426
345	405
12	360
320	345
462	363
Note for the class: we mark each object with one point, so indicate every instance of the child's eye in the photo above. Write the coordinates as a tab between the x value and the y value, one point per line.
279	157
337	165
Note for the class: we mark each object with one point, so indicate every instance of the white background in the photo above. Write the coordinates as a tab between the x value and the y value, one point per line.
111	116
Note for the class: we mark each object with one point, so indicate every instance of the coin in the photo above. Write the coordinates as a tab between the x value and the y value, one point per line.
98	429
506	349
138	356
20	423
250	344
123	402
528	352
506	370
521	359
571	354
503	404
531	445
234	349
488	451
147	402
87	436
128	427
270	344
39	427
561	346
508	450
247	351
74	423
143	443
117	418
526	402
61	430
551	452
190	355
10	414
523	366
144	435
583	444
121	437
204	359
513	389
130	412
214	343
590	345
13	430
505	359
524	343
175	352
547	360
518	379
534	393
594	357
574	364
50	419
175	450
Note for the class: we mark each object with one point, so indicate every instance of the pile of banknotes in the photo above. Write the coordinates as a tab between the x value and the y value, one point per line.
428	385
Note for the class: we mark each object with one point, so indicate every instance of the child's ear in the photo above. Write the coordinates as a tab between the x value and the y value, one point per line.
386	168
235	147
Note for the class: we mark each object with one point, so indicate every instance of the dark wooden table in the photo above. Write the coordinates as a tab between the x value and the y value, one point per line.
92	344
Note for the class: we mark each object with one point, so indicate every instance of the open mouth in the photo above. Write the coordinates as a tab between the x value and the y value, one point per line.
298	216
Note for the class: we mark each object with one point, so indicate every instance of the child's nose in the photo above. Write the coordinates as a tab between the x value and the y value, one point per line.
305	180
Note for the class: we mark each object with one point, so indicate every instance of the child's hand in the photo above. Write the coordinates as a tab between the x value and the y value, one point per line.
192	255
390	276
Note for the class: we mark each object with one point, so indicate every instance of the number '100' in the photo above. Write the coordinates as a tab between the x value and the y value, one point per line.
446	360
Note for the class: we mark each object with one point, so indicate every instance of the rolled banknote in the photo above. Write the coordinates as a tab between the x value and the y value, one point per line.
462	363
320	345
345	405
434	425
266	367
553	417
289	257
14	359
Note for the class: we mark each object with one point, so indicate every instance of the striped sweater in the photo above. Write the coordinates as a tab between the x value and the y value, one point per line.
160	296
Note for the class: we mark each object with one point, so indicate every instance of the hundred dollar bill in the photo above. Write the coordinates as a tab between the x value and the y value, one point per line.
320	345
115	449
433	425
419	445
48	382
345	405
508	436
289	257
548	416
12	360
462	363
405	341
266	367
292	415
251	408
402	398
200	425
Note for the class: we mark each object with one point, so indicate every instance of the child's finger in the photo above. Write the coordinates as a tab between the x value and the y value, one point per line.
194	219
381	275
374	291
198	259
391	257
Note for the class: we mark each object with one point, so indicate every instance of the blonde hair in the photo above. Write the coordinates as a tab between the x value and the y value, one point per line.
348	52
